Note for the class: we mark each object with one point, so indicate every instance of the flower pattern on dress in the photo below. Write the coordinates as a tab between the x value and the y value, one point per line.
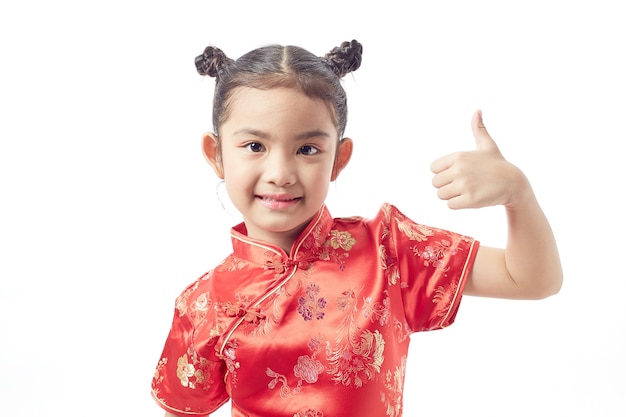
394	385
346	301
444	297
341	240
308	369
434	254
184	371
310	305
230	358
158	376
285	390
192	370
181	300
336	248
199	309
402	330
413	231
377	311
388	261
358	362
231	263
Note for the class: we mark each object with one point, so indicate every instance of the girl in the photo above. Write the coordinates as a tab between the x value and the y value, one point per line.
310	315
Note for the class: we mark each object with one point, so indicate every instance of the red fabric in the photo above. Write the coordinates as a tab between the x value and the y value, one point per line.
323	331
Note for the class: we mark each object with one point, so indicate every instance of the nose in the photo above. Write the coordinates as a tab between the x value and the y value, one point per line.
280	169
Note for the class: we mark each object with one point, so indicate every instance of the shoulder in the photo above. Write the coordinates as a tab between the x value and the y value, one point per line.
384	213
201	291
190	295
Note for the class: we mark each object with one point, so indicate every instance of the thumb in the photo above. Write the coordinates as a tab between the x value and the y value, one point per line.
482	137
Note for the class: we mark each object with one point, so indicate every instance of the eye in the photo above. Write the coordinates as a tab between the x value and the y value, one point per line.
255	147
308	150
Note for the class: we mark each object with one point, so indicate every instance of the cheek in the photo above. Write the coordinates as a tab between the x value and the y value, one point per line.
232	177
230	166
320	176
235	176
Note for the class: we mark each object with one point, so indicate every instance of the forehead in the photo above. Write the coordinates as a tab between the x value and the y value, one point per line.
276	107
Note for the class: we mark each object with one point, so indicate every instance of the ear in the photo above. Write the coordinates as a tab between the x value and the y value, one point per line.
344	152
211	151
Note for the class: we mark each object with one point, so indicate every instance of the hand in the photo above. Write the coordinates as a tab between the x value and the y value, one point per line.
477	178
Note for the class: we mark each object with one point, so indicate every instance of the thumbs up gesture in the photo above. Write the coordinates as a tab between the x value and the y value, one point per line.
477	178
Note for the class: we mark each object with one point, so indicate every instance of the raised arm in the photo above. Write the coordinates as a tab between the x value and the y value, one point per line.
529	267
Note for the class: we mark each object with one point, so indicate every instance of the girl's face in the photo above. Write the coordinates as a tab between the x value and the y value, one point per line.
279	152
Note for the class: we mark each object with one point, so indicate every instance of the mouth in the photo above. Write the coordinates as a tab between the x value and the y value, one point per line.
278	201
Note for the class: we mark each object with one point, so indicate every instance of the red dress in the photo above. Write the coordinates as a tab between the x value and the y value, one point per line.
323	331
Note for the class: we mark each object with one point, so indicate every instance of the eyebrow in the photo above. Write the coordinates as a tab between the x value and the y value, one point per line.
301	136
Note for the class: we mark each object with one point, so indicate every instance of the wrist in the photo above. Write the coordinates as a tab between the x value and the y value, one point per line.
522	193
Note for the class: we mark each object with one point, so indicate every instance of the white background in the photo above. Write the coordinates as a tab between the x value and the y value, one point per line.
108	209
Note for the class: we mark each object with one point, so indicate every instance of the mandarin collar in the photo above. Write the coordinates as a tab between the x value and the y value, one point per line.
304	250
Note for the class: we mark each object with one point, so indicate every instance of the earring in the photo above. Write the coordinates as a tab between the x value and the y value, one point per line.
225	202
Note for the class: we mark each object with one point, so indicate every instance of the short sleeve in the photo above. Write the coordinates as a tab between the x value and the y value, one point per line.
189	378
431	266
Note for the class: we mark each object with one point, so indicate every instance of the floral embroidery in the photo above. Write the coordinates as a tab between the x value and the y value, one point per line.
230	358
346	300
309	413
308	369
285	391
433	254
196	308
336	248
394	384
315	238
360	361
377	311
202	303
184	371
231	263
403	331
192	370
341	240
310	306
412	230
358	353
158	378
314	344
181	300
388	264
199	309
444	299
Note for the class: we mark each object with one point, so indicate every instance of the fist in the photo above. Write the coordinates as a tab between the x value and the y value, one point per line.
477	178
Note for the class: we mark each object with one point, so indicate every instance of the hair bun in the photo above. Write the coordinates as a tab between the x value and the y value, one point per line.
345	58
212	61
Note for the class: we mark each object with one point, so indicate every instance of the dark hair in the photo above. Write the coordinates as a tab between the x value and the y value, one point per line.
282	66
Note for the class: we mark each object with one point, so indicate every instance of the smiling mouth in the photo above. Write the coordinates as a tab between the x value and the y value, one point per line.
278	202
278	199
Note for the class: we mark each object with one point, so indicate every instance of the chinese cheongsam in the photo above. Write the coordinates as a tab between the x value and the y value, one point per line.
320	332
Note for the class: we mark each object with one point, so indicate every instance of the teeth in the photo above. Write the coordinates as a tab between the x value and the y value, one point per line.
273	199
